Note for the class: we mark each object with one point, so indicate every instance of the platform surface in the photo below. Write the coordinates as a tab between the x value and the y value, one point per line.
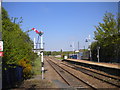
109	65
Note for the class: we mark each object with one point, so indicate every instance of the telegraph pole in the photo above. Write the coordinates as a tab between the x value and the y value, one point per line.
78	45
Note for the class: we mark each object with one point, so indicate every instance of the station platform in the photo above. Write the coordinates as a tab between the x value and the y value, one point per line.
107	65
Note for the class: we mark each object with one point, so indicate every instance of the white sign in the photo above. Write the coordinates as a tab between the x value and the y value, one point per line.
1	45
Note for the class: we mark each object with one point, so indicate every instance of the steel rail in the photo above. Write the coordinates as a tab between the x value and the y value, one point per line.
88	84
92	75
58	73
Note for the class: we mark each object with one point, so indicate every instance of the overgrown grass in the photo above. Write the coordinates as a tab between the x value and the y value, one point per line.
37	66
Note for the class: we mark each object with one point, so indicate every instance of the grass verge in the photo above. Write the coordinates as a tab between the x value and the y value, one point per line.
37	66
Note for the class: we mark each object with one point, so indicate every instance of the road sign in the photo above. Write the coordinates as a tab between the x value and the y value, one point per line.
1	53
1	45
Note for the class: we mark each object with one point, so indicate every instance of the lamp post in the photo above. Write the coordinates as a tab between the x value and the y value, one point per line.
98	55
72	45
89	47
73	48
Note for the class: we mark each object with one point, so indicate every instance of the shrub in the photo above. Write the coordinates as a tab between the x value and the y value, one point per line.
27	67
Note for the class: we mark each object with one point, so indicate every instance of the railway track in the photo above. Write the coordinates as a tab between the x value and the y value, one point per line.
103	77
111	82
70	78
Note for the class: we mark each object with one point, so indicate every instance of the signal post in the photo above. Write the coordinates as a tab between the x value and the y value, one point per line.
40	49
41	53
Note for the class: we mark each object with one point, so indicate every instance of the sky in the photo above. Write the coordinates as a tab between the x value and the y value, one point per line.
63	23
60	0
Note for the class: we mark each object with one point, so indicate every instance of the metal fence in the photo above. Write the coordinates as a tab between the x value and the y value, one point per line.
11	75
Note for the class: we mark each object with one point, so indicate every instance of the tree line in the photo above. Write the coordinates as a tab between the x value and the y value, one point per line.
107	36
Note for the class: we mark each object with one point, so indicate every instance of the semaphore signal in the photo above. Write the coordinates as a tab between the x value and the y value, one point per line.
40	50
35	30
40	33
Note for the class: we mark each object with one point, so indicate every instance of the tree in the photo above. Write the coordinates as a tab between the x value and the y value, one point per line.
107	35
17	45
